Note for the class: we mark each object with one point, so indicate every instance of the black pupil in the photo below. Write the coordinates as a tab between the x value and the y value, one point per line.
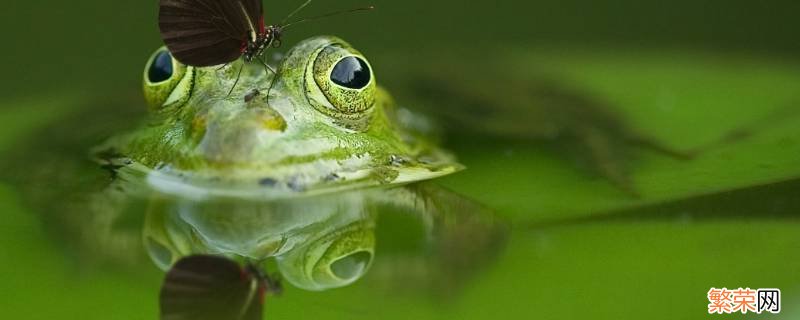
161	69
351	72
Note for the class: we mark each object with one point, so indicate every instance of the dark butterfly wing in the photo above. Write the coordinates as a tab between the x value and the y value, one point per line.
206	287
204	33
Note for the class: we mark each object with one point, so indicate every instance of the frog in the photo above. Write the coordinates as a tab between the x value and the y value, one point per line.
291	168
322	124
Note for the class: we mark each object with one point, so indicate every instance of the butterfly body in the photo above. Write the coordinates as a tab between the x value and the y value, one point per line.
269	36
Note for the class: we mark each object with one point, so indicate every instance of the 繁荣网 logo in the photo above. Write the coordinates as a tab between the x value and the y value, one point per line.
744	300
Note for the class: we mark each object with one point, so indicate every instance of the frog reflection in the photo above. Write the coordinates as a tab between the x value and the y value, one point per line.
322	243
317	243
326	241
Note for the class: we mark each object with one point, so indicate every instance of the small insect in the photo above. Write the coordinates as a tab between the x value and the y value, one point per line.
205	287
203	33
252	94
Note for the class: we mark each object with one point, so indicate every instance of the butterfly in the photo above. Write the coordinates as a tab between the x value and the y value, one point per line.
203	33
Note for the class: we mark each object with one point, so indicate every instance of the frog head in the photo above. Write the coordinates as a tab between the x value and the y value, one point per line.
320	122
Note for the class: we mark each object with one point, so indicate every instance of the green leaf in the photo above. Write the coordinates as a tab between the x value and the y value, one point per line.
684	100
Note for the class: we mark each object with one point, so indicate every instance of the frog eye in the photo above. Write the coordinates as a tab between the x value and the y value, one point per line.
167	82
332	261
161	68
343	85
351	72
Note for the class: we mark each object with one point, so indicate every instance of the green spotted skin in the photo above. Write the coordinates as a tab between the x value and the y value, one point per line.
301	132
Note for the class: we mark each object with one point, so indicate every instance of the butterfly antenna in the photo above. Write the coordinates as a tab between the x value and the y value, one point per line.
285	26
300	8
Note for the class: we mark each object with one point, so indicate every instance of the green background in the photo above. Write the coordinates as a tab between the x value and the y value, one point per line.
685	71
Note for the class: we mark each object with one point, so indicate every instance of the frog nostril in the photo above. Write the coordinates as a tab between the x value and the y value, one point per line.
161	68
